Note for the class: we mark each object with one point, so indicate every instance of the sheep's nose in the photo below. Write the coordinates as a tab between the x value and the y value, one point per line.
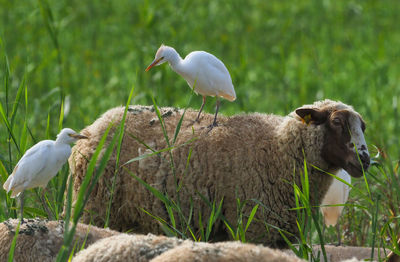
365	160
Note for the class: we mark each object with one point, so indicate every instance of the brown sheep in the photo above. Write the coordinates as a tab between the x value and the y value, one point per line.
249	156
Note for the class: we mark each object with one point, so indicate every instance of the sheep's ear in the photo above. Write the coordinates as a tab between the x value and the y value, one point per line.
312	115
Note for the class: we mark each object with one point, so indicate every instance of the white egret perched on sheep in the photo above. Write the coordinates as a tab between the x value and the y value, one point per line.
337	194
202	71
40	163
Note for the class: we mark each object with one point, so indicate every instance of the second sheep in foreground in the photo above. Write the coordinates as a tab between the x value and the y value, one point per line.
248	157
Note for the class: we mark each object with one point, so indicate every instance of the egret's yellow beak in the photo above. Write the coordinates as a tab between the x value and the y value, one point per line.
78	136
155	62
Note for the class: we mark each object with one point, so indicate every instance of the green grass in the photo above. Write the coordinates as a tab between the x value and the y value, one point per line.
63	63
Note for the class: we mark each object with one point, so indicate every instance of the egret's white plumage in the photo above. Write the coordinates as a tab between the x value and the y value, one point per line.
337	194
41	162
201	70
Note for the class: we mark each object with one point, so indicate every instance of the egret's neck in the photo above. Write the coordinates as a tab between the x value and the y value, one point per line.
175	60
61	141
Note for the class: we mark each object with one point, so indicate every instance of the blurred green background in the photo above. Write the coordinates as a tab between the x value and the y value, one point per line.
281	55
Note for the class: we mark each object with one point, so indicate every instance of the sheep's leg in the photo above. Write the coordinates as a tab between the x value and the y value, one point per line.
338	235
21	199
45	206
214	123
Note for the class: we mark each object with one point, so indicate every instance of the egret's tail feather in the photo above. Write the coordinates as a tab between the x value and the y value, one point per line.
228	97
15	193
331	215
6	185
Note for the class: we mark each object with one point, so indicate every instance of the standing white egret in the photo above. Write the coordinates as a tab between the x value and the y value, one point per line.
201	70
337	194
40	163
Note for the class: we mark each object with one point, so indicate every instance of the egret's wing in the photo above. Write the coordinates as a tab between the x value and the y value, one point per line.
32	163
221	79
217	64
33	150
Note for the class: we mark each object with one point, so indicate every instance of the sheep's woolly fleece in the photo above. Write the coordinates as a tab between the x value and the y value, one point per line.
153	248
40	240
248	156
159	248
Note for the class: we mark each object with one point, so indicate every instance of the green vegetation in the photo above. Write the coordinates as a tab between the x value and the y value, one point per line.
63	63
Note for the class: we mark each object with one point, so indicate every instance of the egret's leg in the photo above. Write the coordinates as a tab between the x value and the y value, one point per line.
201	109
338	235
21	199
214	123
46	207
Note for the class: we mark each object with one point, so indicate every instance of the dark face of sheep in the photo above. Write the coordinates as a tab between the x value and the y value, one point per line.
344	144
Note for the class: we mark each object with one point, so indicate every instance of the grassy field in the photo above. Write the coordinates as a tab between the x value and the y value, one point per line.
63	63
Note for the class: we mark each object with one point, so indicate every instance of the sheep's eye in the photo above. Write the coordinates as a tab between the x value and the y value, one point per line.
336	121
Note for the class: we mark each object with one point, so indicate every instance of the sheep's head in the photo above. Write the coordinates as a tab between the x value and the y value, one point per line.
344	144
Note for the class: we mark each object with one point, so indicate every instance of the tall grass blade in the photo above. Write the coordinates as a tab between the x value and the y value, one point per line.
180	185
210	222
215	212
59	194
88	177
34	212
153	190
88	183
141	142
9	128
48	19
171	215
143	156
3	172
61	117
13	244
17	101
374	226
320	235
201	228
178	127
344	182
252	213
72	251
160	118
6	79
119	144
48	126
68	208
23	137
